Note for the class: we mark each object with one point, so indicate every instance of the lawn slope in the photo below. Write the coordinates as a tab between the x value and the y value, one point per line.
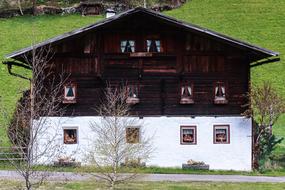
261	22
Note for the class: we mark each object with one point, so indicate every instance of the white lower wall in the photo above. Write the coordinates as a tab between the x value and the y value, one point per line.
168	150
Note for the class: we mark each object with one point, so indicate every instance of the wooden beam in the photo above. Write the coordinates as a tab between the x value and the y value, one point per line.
10	65
265	62
17	64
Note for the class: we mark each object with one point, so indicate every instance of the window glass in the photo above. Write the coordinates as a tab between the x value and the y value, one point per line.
157	43
153	45
221	134
132	135
186	91
133	94
188	135
70	136
69	93
133	91
127	46
220	90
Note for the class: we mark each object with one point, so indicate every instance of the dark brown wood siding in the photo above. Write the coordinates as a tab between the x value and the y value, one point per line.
94	58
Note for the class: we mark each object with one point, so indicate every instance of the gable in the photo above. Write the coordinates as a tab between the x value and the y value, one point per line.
140	18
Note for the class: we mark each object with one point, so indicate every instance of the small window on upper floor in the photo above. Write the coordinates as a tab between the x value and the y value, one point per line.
133	94
220	92
186	93
153	45
70	93
133	135
127	46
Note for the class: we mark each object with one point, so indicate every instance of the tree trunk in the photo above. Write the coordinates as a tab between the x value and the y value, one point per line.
176	2
20	7
34	3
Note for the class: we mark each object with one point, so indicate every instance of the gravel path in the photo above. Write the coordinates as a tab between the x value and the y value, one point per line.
69	176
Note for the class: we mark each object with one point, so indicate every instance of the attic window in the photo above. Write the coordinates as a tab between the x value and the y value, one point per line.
186	93
188	135
127	46
221	134
220	92
133	135
133	94
70	136
153	45
69	93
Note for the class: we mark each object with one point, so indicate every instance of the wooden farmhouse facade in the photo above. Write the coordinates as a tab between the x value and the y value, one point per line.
187	84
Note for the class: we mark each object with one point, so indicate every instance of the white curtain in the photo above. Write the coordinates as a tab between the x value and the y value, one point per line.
188	131
123	45
157	43
182	90
132	44
148	43
216	91
223	90
189	90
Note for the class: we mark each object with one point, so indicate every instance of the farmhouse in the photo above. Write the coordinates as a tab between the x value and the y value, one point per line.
186	83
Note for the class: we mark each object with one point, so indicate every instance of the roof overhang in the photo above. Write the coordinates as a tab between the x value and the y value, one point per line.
257	52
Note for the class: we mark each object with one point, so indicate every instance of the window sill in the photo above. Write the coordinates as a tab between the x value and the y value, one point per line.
141	54
220	101
132	101
184	143
69	101
186	101
69	143
221	143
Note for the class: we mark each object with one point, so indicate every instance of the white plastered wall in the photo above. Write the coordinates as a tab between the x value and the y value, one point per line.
166	140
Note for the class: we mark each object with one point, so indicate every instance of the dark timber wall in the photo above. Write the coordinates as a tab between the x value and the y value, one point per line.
93	58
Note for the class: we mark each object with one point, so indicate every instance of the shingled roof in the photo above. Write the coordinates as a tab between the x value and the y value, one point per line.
255	50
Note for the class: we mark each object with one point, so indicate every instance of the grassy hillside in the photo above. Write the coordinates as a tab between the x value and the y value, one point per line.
261	22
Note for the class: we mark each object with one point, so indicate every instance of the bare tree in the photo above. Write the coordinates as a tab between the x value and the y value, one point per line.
34	6
20	6
266	106
144	3
32	133
111	148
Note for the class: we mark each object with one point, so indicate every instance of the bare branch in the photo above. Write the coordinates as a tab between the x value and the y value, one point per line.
30	122
110	149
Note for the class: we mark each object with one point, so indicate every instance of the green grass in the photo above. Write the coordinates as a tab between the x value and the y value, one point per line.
19	32
260	22
152	170
91	185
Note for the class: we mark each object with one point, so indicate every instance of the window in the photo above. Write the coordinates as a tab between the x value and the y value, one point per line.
221	134
220	91
70	136
153	45
188	135
186	93
132	135
127	46
133	94
69	93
